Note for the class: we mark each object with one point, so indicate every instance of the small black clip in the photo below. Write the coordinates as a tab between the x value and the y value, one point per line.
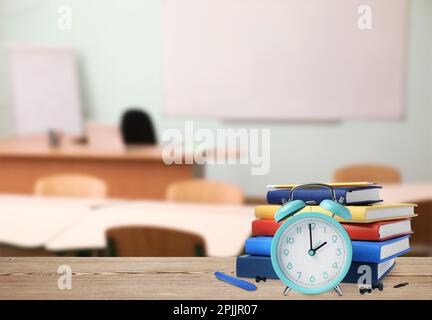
364	290
259	279
379	286
400	285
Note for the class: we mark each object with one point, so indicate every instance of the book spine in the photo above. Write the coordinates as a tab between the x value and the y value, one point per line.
260	246
265	227
366	252
369	232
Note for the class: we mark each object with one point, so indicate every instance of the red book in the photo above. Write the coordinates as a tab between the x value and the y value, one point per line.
378	231
265	227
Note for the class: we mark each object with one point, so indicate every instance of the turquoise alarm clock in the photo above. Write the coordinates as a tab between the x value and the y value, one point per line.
311	252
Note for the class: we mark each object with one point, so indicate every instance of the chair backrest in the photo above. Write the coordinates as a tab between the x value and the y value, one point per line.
8	251
421	240
70	185
367	172
137	128
204	191
153	242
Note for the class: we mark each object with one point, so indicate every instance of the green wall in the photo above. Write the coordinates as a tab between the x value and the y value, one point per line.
119	48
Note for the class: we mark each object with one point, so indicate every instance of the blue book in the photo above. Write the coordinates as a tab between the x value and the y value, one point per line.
378	252
260	246
378	272
249	266
346	195
363	251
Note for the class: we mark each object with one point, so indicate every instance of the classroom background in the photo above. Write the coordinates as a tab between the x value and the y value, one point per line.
119	54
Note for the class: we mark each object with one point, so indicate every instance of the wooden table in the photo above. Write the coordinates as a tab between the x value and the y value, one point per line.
135	173
178	278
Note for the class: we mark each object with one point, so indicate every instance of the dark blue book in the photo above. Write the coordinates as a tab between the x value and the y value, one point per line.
377	252
359	271
249	266
260	246
345	195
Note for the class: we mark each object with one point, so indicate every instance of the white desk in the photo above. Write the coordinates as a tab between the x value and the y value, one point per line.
224	228
30	222
397	193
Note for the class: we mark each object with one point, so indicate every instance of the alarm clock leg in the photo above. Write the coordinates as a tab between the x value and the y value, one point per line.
338	290
286	291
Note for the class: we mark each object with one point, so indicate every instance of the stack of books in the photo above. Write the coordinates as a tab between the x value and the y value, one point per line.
379	232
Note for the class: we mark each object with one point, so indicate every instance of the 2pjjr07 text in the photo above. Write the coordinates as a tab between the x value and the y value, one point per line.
233	310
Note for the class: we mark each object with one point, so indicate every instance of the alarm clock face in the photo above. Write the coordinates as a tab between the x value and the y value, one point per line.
311	253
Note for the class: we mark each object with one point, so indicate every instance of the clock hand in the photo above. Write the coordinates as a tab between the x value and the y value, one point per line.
319	247
310	236
311	251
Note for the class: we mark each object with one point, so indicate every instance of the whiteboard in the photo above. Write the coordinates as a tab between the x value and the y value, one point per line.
45	89
284	59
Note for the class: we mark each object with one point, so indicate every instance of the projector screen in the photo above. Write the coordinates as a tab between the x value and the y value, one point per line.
285	59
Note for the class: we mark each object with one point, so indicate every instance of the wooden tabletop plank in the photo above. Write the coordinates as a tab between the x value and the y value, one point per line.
177	278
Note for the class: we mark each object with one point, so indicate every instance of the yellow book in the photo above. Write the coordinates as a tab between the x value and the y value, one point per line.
360	214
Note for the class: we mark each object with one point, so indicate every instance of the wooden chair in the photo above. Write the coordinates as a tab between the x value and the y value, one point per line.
12	251
205	191
70	186
367	172
421	240
153	242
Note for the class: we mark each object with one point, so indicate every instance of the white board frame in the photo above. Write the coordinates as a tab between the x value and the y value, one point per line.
45	89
